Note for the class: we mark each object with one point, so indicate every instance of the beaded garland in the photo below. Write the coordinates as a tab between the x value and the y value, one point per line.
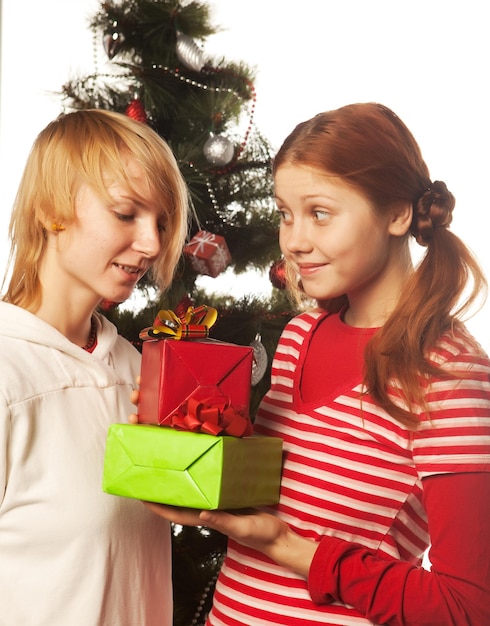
116	38
181	76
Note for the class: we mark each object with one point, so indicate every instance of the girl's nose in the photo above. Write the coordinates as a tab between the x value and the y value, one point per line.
294	238
148	240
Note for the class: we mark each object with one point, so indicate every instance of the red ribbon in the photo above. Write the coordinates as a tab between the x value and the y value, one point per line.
208	411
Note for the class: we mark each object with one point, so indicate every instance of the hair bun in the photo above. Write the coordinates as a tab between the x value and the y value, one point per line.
432	210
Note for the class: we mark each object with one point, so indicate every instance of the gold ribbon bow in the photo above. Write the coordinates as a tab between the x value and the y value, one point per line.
194	324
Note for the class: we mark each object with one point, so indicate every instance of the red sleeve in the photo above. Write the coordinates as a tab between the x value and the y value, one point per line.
456	592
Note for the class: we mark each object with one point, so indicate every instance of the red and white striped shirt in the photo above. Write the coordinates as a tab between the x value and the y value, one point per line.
350	470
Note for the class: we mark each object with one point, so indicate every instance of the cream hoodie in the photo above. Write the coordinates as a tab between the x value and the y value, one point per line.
70	554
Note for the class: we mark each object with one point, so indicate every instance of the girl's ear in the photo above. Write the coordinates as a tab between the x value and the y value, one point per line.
401	219
43	218
48	223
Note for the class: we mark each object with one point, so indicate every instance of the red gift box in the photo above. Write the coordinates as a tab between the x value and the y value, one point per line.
208	253
205	381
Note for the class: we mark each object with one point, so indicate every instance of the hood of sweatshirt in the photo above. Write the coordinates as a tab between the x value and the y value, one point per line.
36	359
17	323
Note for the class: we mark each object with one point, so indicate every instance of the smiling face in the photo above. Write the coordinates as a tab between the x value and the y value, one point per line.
109	245
337	243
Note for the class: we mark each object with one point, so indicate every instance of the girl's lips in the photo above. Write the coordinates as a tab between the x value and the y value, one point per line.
307	270
130	269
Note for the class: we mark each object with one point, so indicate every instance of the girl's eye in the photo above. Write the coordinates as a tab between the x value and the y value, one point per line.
284	215
320	215
124	217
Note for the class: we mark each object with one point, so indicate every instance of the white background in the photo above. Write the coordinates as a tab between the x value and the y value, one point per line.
426	59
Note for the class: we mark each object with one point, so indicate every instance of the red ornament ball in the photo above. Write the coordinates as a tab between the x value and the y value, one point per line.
277	274
136	111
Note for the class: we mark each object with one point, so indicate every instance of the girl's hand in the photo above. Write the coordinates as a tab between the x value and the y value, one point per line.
266	533
256	529
176	514
251	527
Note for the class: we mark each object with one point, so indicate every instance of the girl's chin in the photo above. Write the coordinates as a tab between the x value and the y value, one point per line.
119	295
318	293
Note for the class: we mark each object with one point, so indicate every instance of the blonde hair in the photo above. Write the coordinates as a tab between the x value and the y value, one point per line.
90	146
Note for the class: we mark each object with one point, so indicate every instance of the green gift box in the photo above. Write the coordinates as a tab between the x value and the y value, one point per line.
194	470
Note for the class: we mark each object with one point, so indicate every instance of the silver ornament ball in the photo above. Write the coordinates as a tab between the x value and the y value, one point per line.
218	150
260	360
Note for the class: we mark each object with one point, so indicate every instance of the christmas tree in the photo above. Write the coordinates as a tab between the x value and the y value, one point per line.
155	69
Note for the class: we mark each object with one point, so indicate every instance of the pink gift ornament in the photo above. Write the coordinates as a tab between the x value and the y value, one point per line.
208	253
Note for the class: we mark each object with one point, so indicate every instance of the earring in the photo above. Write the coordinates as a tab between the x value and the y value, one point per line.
57	227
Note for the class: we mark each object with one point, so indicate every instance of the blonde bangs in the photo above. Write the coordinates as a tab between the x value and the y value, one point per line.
92	147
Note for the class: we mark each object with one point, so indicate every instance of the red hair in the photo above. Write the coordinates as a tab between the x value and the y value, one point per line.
368	146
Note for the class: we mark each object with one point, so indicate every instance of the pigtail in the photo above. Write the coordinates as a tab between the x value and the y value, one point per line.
432	304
